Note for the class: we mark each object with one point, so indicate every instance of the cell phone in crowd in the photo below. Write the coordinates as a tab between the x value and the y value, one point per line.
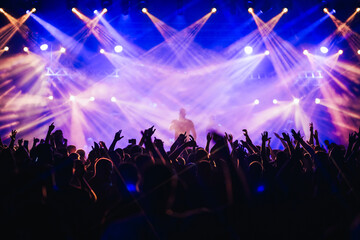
132	141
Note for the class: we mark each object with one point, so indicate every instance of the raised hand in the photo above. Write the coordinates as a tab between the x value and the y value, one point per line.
352	137
286	137
13	135
296	135
20	142
265	136
118	135
245	133
229	138
51	127
209	136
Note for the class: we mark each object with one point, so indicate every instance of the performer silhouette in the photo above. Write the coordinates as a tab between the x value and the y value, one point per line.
182	125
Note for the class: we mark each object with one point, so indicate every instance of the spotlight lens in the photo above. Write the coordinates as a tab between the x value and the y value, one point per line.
324	49
33	10
358	10
72	98
317	100
27	11
104	10
1	10
305	52
296	100
26	49
73	9
102	51
113	99
326	10
62	50
6	48
250	10
285	10
341	52
144	10
275	101
213	10
358	51
96	11
44	47
256	102
267	52
118	48
248	50
51	97
92	99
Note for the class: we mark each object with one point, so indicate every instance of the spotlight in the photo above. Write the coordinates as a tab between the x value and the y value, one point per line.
285	10
44	47
306	52
324	50
6	48
104	10
340	52
358	10
296	101
118	48
213	10
250	10
72	98
96	11
74	10
326	10
1	10
91	99
26	49
144	10
51	97
248	50
62	50
33	10
267	52
317	100
102	51
113	99
256	102
358	51
27	11
275	101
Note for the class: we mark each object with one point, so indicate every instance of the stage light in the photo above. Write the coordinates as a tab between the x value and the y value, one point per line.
72	98
324	50
27	11
306	52
267	52
296	101
213	10
358	10
358	51
62	50
102	51
92	99
144	10
275	101
113	99
44	47
51	97
96	11
6	48
250	10
248	50
317	100
340	52
256	102
285	10
1	10
118	48
26	49
74	10
104	10
326	10
33	10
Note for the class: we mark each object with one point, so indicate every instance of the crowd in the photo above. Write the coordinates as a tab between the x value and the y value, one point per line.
228	189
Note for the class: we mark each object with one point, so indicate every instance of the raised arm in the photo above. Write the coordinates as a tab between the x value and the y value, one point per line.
117	138
12	137
305	145
250	143
51	128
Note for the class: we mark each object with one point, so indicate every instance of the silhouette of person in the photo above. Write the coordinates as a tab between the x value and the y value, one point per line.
182	125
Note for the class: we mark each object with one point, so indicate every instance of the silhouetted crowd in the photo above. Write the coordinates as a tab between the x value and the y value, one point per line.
228	189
